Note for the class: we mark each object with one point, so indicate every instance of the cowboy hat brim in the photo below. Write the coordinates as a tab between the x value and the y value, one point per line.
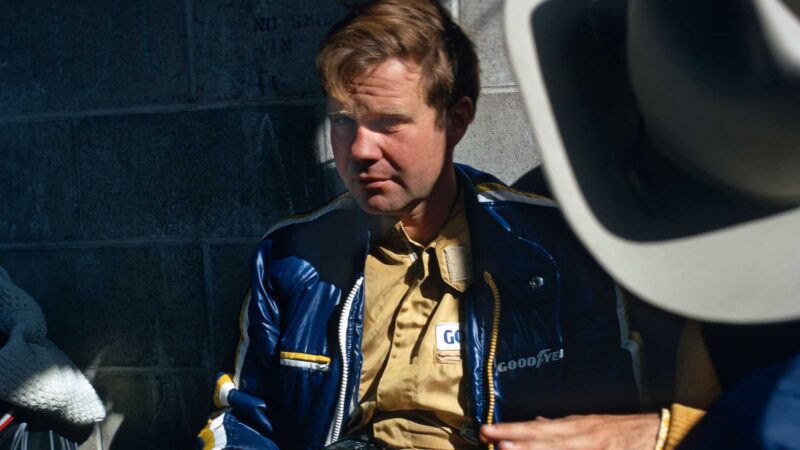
700	253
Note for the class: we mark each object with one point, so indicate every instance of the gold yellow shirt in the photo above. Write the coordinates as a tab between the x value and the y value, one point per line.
411	392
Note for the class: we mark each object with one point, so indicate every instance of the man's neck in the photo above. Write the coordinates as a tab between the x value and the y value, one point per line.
427	218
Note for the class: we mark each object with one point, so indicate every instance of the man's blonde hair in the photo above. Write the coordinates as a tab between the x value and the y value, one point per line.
420	31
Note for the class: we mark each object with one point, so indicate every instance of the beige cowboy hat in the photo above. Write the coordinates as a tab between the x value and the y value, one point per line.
670	135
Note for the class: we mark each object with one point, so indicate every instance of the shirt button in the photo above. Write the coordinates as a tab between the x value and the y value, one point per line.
536	282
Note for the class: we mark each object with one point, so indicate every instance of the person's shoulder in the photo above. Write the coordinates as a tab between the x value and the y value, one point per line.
499	192
319	237
309	221
490	190
528	214
325	241
533	215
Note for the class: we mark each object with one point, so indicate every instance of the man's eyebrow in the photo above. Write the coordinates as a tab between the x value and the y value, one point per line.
387	112
384	114
399	116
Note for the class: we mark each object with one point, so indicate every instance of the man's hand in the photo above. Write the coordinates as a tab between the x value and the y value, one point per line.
606	432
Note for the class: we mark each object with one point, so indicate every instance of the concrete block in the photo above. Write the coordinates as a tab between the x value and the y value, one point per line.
259	48
183	403
452	6
221	172
231	268
92	54
152	411
483	22
38	183
105	307
180	321
130	403
499	140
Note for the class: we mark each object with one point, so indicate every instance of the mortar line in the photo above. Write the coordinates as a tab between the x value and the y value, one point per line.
253	239
161	109
507	89
188	7
151	377
208	355
111	370
78	191
127	243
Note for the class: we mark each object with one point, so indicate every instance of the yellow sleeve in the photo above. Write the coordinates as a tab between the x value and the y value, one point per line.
697	385
696	382
681	420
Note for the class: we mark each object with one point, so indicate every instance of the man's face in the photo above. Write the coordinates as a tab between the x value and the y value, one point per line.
388	149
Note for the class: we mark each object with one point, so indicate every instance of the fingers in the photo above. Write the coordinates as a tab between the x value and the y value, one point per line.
547	443
540	428
526	445
509	431
544	426
512	445
607	432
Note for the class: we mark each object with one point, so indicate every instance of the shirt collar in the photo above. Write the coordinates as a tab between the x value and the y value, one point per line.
451	246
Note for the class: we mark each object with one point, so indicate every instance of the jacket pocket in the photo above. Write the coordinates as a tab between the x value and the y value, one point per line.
319	363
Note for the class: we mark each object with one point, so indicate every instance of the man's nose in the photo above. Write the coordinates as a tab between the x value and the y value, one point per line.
365	146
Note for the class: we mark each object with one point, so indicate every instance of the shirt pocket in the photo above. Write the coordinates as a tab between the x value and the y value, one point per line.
448	357
447	347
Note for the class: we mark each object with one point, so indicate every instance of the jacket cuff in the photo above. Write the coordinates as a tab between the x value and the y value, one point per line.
222	390
682	419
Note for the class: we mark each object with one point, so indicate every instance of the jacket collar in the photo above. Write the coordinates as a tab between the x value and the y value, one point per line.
488	230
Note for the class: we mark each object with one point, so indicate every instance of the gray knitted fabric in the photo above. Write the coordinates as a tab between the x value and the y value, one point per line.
34	373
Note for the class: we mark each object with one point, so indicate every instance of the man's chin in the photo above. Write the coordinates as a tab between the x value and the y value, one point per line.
378	205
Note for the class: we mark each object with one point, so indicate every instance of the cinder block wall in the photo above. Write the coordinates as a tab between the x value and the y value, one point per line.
146	146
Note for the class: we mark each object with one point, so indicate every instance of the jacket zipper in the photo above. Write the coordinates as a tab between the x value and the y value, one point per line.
344	320
492	350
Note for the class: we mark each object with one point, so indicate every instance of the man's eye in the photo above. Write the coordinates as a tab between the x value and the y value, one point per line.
341	121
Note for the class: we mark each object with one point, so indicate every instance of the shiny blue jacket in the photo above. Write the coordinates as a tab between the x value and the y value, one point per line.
561	348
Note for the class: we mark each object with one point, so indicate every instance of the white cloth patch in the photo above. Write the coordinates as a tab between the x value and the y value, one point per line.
459	263
448	336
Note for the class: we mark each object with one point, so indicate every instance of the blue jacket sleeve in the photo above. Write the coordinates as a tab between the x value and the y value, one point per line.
243	389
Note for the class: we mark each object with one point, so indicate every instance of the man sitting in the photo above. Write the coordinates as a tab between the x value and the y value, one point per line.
430	299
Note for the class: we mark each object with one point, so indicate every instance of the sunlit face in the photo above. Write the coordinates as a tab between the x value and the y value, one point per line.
388	149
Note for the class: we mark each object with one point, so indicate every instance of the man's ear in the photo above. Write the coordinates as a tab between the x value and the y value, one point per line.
459	116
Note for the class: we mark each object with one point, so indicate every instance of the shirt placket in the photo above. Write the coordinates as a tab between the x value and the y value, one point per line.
413	315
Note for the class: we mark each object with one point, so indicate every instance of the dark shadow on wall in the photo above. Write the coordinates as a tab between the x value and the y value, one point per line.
146	300
145	148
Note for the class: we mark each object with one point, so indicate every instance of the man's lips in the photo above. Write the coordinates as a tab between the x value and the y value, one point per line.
371	182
